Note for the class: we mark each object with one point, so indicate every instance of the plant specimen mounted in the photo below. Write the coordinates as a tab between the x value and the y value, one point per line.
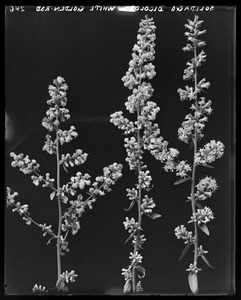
71	203
144	135
191	132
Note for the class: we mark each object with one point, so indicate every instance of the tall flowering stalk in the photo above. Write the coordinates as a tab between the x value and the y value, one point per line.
191	132
75	203
143	135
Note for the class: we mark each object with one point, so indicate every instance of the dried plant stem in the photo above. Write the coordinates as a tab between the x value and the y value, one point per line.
59	207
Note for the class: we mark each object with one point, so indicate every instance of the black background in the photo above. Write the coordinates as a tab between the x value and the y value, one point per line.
91	50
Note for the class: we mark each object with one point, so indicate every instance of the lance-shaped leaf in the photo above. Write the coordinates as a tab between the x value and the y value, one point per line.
204	228
153	216
182	180
131	205
199	205
141	270
52	195
127	287
193	282
207	262
186	248
131	235
66	170
207	166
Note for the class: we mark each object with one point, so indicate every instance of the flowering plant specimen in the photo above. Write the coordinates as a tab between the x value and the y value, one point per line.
191	132
144	135
70	200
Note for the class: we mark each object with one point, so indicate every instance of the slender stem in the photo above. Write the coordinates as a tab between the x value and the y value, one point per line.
36	223
194	171
139	206
138	201
59	208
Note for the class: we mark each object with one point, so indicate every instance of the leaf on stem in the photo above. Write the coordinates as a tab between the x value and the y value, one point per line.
185	251
207	262
207	166
191	145
204	228
199	205
131	205
182	180
131	235
66	170
150	188
141	270
193	283
127	287
153	216
52	195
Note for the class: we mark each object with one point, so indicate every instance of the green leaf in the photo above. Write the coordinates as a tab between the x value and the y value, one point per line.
207	262
199	205
131	205
66	170
182	180
208	166
153	216
141	270
204	228
131	235
127	287
150	188
193	283
52	195
185	251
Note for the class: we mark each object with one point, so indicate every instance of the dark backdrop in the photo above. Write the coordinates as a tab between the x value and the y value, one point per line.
91	50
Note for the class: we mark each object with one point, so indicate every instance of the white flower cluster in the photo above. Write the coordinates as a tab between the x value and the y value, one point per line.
205	188
209	153
39	288
139	288
22	210
131	225
24	163
144	179
50	146
134	152
141	241
147	204
76	159
66	136
67	277
201	251
143	53
193	269
136	258
46	229
103	183
132	194
57	113
182	233
122	123
182	168
127	273
202	216
80	181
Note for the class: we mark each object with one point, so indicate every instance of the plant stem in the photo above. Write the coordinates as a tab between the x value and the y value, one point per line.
59	208
139	208
194	170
